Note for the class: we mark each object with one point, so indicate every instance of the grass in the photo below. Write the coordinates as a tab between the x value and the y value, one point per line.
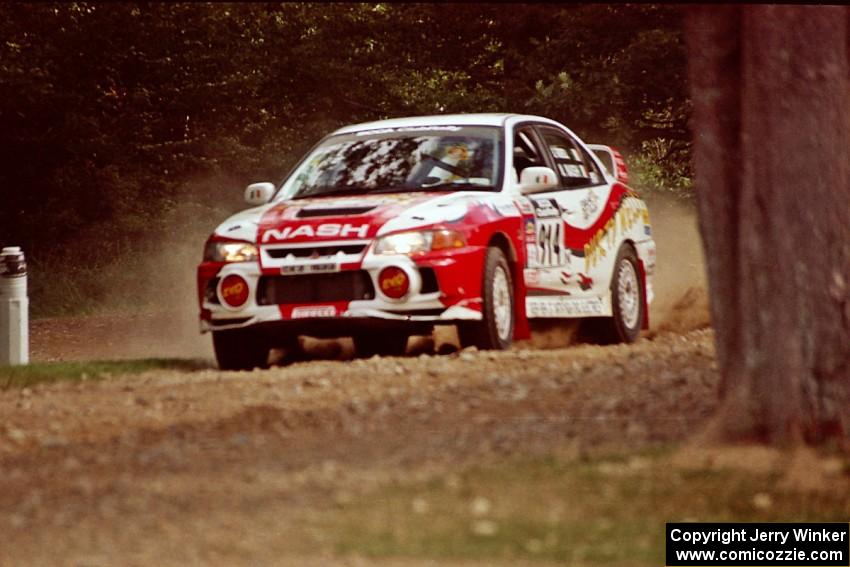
45	372
609	511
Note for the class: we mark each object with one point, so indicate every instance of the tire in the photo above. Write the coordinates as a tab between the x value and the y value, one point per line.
627	302
383	344
240	349
496	329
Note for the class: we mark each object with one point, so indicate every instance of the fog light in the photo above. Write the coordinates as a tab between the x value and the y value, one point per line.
233	291
394	282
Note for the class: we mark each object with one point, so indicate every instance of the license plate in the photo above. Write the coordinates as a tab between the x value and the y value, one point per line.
309	269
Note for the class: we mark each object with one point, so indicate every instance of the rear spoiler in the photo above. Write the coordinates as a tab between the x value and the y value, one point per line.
612	160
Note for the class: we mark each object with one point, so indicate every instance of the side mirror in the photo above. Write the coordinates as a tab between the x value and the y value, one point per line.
259	193
537	179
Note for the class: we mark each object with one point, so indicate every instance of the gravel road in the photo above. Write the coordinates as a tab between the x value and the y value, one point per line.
221	468
216	468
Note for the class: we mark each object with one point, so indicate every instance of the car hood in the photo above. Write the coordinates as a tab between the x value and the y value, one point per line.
348	217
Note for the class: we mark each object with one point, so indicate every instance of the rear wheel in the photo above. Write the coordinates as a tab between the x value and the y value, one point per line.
240	349
385	344
496	329
627	301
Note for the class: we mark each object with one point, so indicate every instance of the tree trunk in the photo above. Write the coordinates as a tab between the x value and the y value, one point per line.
771	123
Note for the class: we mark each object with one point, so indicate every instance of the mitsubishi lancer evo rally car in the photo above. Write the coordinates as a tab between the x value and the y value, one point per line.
386	229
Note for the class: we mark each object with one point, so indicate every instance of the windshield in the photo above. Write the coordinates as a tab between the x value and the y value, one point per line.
434	158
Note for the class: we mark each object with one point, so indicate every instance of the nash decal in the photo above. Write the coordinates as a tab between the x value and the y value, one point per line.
308	231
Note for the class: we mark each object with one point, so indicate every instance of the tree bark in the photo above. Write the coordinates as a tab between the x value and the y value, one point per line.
771	123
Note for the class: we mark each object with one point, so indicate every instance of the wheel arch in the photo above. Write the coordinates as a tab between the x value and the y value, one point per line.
642	275
501	241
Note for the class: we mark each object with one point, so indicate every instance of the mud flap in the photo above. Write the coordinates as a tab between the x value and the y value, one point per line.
522	330
645	325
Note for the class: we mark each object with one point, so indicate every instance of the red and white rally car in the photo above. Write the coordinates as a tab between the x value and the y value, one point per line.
386	229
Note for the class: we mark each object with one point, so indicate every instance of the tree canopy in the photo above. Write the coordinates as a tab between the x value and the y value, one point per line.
111	114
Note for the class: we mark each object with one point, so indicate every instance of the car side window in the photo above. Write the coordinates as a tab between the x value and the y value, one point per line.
572	164
596	175
607	161
527	152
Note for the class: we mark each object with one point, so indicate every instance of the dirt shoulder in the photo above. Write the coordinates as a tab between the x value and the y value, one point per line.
151	334
219	468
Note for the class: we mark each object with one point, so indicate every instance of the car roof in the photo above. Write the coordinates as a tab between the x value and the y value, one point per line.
479	119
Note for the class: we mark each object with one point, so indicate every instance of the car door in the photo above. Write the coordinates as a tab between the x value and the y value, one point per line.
545	253
581	198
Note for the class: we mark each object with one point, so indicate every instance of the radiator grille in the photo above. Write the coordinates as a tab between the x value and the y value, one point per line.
315	288
316	251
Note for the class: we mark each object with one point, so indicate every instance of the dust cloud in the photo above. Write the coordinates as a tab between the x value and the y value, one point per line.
160	319
166	286
149	305
680	285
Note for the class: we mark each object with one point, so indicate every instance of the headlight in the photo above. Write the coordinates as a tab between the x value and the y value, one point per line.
230	252
419	242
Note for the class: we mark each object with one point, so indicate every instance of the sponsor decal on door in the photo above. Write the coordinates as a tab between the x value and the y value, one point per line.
549	235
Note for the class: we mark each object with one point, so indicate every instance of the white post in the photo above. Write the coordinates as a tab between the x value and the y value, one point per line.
14	307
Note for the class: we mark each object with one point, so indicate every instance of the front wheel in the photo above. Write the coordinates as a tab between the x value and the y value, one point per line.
240	349
496	329
627	301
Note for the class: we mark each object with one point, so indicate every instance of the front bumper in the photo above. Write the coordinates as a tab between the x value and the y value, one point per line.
455	296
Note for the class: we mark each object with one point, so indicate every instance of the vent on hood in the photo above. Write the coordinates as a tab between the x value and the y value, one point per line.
334	212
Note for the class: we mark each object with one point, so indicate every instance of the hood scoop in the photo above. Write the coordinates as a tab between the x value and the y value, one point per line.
333	211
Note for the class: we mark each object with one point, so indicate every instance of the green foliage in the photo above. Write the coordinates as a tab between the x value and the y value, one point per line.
111	114
47	372
649	173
